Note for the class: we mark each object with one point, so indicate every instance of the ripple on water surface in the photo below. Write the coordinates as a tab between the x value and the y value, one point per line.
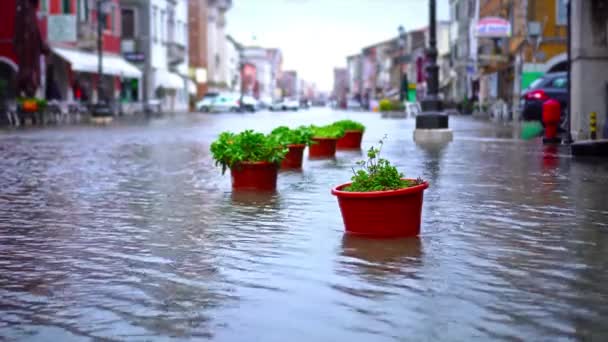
129	232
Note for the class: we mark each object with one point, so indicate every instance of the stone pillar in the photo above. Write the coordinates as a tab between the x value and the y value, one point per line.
589	55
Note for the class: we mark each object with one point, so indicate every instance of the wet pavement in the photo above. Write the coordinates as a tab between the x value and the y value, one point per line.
128	232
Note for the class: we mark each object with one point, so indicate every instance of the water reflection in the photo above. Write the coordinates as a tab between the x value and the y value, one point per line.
373	258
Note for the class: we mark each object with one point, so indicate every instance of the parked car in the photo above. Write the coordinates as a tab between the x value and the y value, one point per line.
286	104
204	105
224	102
250	104
550	86
353	104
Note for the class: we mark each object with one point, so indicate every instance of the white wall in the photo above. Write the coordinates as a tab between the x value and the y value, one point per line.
232	71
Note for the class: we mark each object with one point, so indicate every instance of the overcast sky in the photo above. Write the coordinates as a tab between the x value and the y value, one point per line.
317	35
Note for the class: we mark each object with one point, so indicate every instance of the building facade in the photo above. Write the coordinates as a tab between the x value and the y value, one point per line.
534	44
267	64
70	70
209	47
589	55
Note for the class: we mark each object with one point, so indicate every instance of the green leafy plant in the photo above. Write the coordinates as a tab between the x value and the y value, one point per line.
350	125
230	149
288	136
329	131
387	105
377	174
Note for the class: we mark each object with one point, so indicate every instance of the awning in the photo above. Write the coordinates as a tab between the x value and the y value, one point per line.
169	80
88	62
191	87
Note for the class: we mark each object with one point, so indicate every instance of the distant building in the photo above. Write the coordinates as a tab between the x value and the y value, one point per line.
288	84
267	64
353	67
340	89
155	38
233	64
209	48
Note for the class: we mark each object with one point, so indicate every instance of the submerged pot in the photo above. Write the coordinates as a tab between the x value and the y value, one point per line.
350	140
322	148
254	176
293	158
381	214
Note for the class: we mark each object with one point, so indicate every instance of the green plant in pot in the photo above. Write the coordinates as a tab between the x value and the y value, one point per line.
353	134
325	139
252	158
379	201
296	141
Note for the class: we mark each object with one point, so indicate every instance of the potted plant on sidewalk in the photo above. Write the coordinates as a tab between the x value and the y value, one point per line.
380	202
353	134
296	141
324	141
253	159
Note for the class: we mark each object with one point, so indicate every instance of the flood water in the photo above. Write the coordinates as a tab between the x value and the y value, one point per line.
129	232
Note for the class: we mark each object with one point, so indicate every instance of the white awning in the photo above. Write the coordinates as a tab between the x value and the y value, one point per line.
169	79
88	62
191	87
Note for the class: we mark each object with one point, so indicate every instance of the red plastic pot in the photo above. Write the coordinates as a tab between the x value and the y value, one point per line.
350	140
293	158
382	214
254	176
322	148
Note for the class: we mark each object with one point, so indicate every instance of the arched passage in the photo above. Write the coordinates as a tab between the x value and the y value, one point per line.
558	63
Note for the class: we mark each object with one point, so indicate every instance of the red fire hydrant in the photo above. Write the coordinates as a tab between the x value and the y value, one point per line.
551	119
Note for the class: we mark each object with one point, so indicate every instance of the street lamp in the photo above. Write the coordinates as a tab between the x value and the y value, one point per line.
403	84
432	124
101	108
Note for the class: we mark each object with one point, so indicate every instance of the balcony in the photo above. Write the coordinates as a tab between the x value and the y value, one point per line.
176	53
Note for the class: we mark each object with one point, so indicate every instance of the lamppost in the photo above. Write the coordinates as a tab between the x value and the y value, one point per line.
101	108
403	83
432	123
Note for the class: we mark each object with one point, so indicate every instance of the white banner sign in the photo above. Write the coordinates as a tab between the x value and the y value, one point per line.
62	28
493	27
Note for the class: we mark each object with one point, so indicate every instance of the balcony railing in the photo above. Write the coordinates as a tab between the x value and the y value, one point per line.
176	53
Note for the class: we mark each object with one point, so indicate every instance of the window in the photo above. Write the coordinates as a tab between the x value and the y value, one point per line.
155	22
83	11
560	82
185	34
561	16
162	27
65	6
128	23
44	6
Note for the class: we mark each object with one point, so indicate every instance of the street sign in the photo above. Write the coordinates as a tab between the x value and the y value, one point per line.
135	57
62	28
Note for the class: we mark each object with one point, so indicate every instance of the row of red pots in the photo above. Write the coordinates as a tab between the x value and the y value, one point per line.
263	175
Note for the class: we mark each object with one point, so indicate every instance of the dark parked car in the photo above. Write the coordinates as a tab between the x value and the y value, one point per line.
550	86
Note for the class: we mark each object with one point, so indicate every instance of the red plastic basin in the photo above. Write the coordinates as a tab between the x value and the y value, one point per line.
382	214
254	176
293	158
350	140
322	148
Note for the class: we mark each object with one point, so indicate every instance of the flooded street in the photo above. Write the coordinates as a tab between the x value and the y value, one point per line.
129	232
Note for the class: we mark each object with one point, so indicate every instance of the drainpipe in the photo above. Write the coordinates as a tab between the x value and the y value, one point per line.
568	137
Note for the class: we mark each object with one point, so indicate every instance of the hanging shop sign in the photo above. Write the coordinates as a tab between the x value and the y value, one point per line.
493	27
62	28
